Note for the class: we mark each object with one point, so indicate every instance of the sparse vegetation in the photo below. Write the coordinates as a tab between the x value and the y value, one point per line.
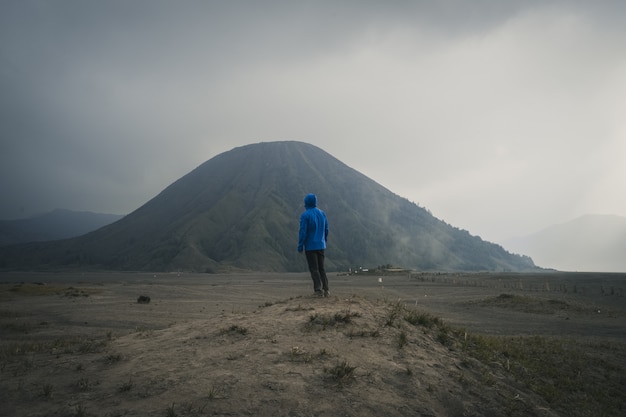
333	319
395	311
234	329
298	354
47	390
563	372
80	411
89	345
364	332
214	393
126	386
299	307
83	384
41	289
403	339
323	353
6	314
68	345
171	411
351	343
342	373
399	310
417	318
443	336
113	357
536	305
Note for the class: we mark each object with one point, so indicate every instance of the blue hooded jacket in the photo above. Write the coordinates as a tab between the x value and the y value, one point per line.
313	226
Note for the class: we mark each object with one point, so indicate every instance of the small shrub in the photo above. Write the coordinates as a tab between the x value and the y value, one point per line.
299	308
83	384
342	373
126	386
6	314
212	393
343	317
47	390
112	358
443	337
402	340
90	345
396	311
234	329
421	319
80	411
299	354
143	299
323	352
171	412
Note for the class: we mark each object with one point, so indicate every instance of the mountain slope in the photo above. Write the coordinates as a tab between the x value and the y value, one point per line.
240	211
57	224
589	243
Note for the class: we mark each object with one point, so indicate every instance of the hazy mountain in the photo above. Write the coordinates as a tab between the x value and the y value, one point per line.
588	243
57	224
240	210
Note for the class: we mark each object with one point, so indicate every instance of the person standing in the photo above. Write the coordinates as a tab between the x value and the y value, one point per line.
312	240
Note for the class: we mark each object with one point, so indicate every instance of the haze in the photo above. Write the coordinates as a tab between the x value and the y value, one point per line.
499	117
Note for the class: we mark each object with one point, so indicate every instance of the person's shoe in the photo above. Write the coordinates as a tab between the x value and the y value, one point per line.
318	294
326	293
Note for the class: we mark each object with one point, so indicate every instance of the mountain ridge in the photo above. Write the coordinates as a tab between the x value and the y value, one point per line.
591	242
239	211
54	225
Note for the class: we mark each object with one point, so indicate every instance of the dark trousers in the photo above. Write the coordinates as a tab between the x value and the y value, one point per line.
315	259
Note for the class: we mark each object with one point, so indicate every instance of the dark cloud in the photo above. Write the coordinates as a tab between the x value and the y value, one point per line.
470	108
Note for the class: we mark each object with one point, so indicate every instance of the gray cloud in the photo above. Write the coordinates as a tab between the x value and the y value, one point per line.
500	117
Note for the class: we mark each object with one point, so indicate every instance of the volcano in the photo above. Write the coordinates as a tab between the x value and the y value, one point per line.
239	211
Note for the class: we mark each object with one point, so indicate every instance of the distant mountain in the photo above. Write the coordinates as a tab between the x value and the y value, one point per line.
55	225
240	211
588	243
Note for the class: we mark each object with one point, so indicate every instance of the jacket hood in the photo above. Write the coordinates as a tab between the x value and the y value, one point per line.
310	201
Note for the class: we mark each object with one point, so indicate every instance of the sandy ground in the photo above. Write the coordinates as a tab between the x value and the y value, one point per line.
79	344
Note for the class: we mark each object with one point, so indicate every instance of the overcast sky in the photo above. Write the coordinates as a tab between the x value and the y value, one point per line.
500	117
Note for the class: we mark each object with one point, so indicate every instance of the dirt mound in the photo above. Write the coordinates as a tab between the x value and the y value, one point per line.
303	356
538	305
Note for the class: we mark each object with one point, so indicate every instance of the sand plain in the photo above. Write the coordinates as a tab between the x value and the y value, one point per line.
258	344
